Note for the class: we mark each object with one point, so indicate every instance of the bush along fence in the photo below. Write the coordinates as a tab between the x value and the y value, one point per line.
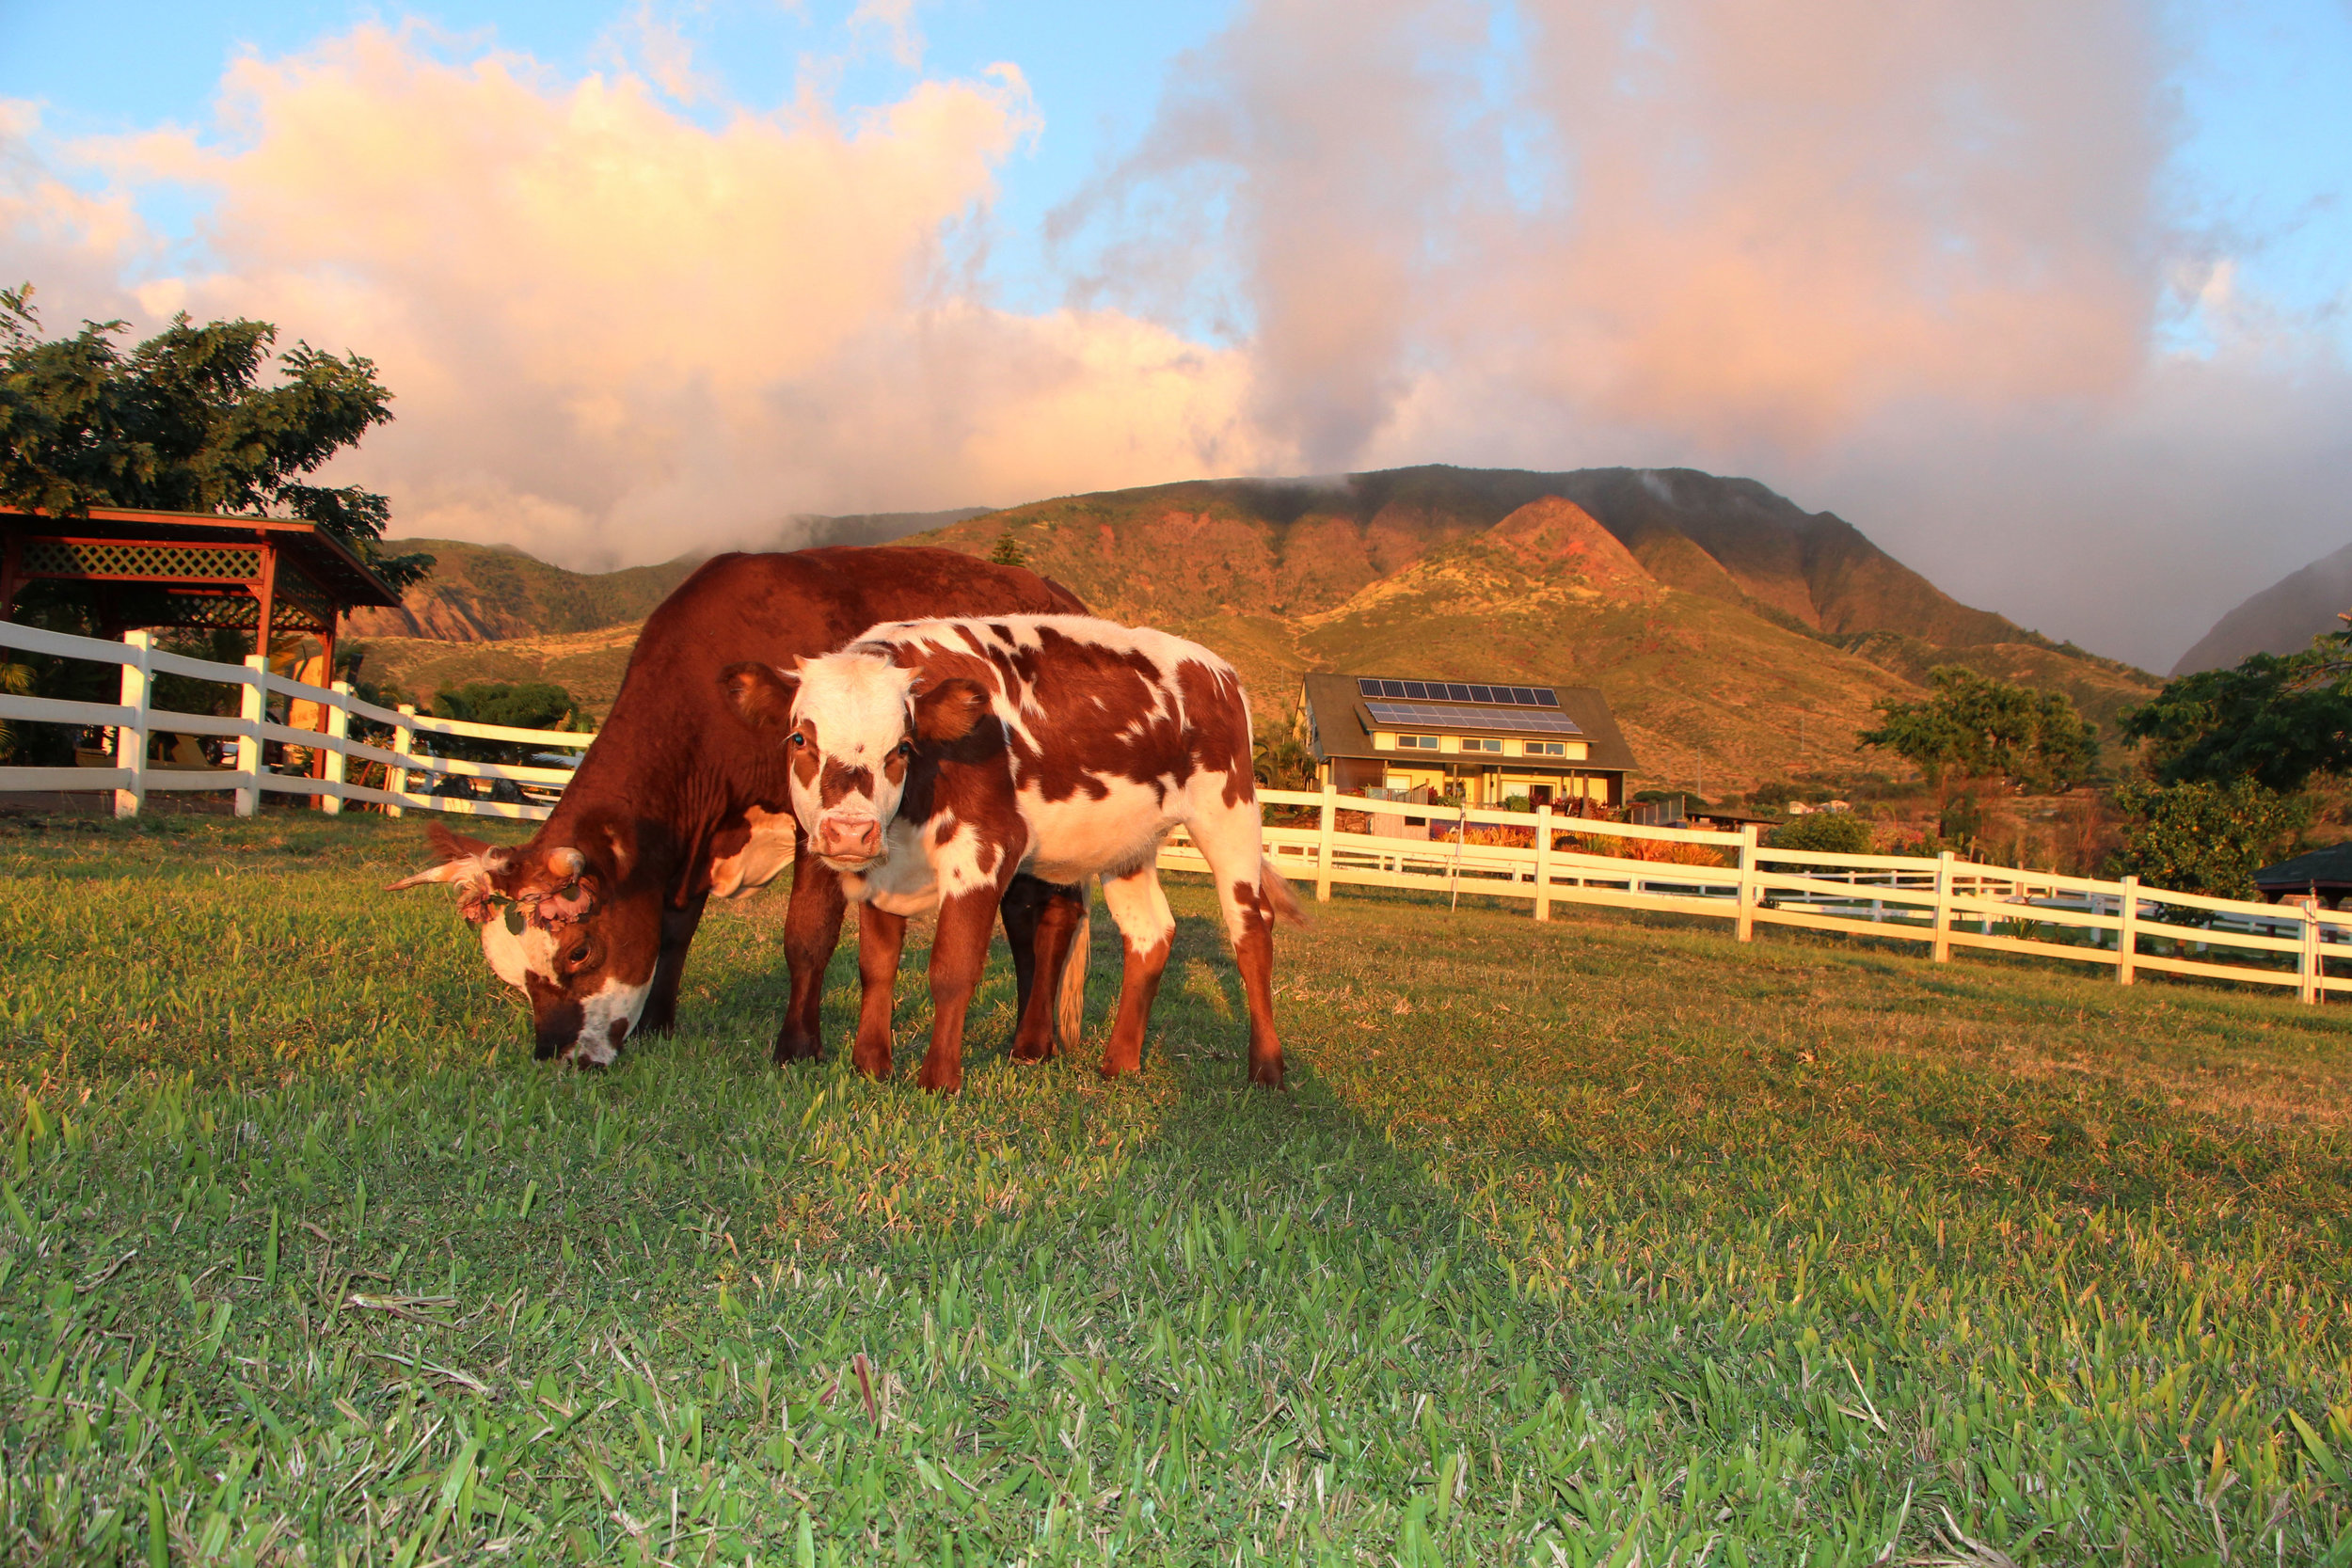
361	752
353	751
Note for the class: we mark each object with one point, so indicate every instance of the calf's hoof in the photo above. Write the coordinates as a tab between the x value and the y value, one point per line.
1267	1072
871	1058
940	1079
794	1046
1033	1051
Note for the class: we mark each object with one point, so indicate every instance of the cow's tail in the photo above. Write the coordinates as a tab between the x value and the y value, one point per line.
1070	996
1278	893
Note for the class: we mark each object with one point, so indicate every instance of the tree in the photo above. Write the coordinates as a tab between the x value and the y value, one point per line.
522	705
182	422
1008	551
2203	837
1973	726
2275	719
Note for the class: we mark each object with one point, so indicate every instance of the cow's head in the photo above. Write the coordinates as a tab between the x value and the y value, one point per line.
554	927
850	725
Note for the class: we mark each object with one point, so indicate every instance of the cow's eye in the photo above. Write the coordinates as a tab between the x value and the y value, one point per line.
578	955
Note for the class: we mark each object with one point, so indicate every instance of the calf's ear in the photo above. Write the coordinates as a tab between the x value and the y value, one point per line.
949	711
761	693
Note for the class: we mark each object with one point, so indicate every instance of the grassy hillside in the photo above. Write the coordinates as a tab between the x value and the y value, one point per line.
1595	1242
480	592
1739	637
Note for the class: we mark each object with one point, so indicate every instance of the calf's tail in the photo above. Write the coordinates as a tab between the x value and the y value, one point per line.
1070	996
1279	893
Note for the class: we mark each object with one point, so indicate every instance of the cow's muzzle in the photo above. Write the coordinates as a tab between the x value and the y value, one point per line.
849	840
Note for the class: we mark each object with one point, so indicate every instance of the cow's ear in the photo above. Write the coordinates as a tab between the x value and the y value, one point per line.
458	858
949	711
761	693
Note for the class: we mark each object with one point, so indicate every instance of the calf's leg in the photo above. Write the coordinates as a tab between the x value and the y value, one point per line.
1042	923
1140	910
1250	894
881	938
812	928
958	954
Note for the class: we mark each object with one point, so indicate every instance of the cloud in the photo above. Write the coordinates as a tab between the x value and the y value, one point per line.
1918	263
614	333
1922	265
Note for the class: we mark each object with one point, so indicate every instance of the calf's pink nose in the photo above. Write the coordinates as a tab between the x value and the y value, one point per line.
858	838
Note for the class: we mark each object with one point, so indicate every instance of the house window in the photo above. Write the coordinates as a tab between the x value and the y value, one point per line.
1546	748
1474	743
1417	742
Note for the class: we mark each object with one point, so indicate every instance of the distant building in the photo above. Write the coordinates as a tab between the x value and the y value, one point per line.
1551	744
2325	875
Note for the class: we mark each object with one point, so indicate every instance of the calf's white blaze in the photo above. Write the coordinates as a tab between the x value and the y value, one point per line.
857	704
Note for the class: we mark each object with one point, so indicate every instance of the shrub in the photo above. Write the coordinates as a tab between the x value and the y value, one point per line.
1827	832
2204	838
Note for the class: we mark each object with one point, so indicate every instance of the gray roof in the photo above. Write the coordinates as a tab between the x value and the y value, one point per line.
2328	867
1343	726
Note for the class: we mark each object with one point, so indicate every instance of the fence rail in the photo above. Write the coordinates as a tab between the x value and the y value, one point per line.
409	778
1940	905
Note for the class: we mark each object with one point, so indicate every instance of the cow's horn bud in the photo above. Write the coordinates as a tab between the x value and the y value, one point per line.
569	862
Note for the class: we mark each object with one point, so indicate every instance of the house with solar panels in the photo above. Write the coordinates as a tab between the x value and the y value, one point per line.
1491	743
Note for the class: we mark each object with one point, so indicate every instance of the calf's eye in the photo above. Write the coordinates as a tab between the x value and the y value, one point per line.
799	740
904	749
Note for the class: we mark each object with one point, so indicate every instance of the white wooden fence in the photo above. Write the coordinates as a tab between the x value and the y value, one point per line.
412	777
1940	903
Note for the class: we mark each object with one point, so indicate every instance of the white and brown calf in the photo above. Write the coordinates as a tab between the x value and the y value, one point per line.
933	760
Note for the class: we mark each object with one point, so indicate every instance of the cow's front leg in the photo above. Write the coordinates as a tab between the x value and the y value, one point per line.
1041	921
812	930
959	955
1142	911
881	938
677	934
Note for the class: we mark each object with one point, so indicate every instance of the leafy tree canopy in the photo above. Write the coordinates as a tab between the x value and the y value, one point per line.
523	706
1973	727
1008	551
183	423
2203	837
2275	719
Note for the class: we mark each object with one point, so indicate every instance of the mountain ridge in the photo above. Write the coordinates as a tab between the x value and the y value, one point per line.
2282	619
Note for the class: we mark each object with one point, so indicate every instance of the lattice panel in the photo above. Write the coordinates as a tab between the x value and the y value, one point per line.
298	593
150	562
240	613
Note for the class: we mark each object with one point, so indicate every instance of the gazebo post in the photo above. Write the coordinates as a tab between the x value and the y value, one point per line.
266	592
318	753
10	578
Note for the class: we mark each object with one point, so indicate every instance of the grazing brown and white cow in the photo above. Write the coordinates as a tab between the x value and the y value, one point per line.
676	800
933	760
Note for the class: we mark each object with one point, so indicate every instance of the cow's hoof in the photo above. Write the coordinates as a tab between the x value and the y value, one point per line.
1269	1075
1033	1053
941	1080
798	1048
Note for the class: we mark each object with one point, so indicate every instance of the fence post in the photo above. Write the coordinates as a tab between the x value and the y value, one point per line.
1940	945
1543	861
2310	989
131	739
404	742
1323	843
338	731
1744	922
2127	933
252	706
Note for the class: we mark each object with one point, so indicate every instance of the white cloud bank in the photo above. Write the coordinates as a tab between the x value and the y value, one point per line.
1918	263
611	333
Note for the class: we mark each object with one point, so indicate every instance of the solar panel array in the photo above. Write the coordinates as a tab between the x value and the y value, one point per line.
1457	692
1446	717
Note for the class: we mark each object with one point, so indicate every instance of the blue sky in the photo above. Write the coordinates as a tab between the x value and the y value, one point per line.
2054	302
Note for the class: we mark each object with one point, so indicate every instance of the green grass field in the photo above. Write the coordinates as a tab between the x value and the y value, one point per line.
1601	1241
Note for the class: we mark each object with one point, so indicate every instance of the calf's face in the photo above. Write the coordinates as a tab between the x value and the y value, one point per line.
852	725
